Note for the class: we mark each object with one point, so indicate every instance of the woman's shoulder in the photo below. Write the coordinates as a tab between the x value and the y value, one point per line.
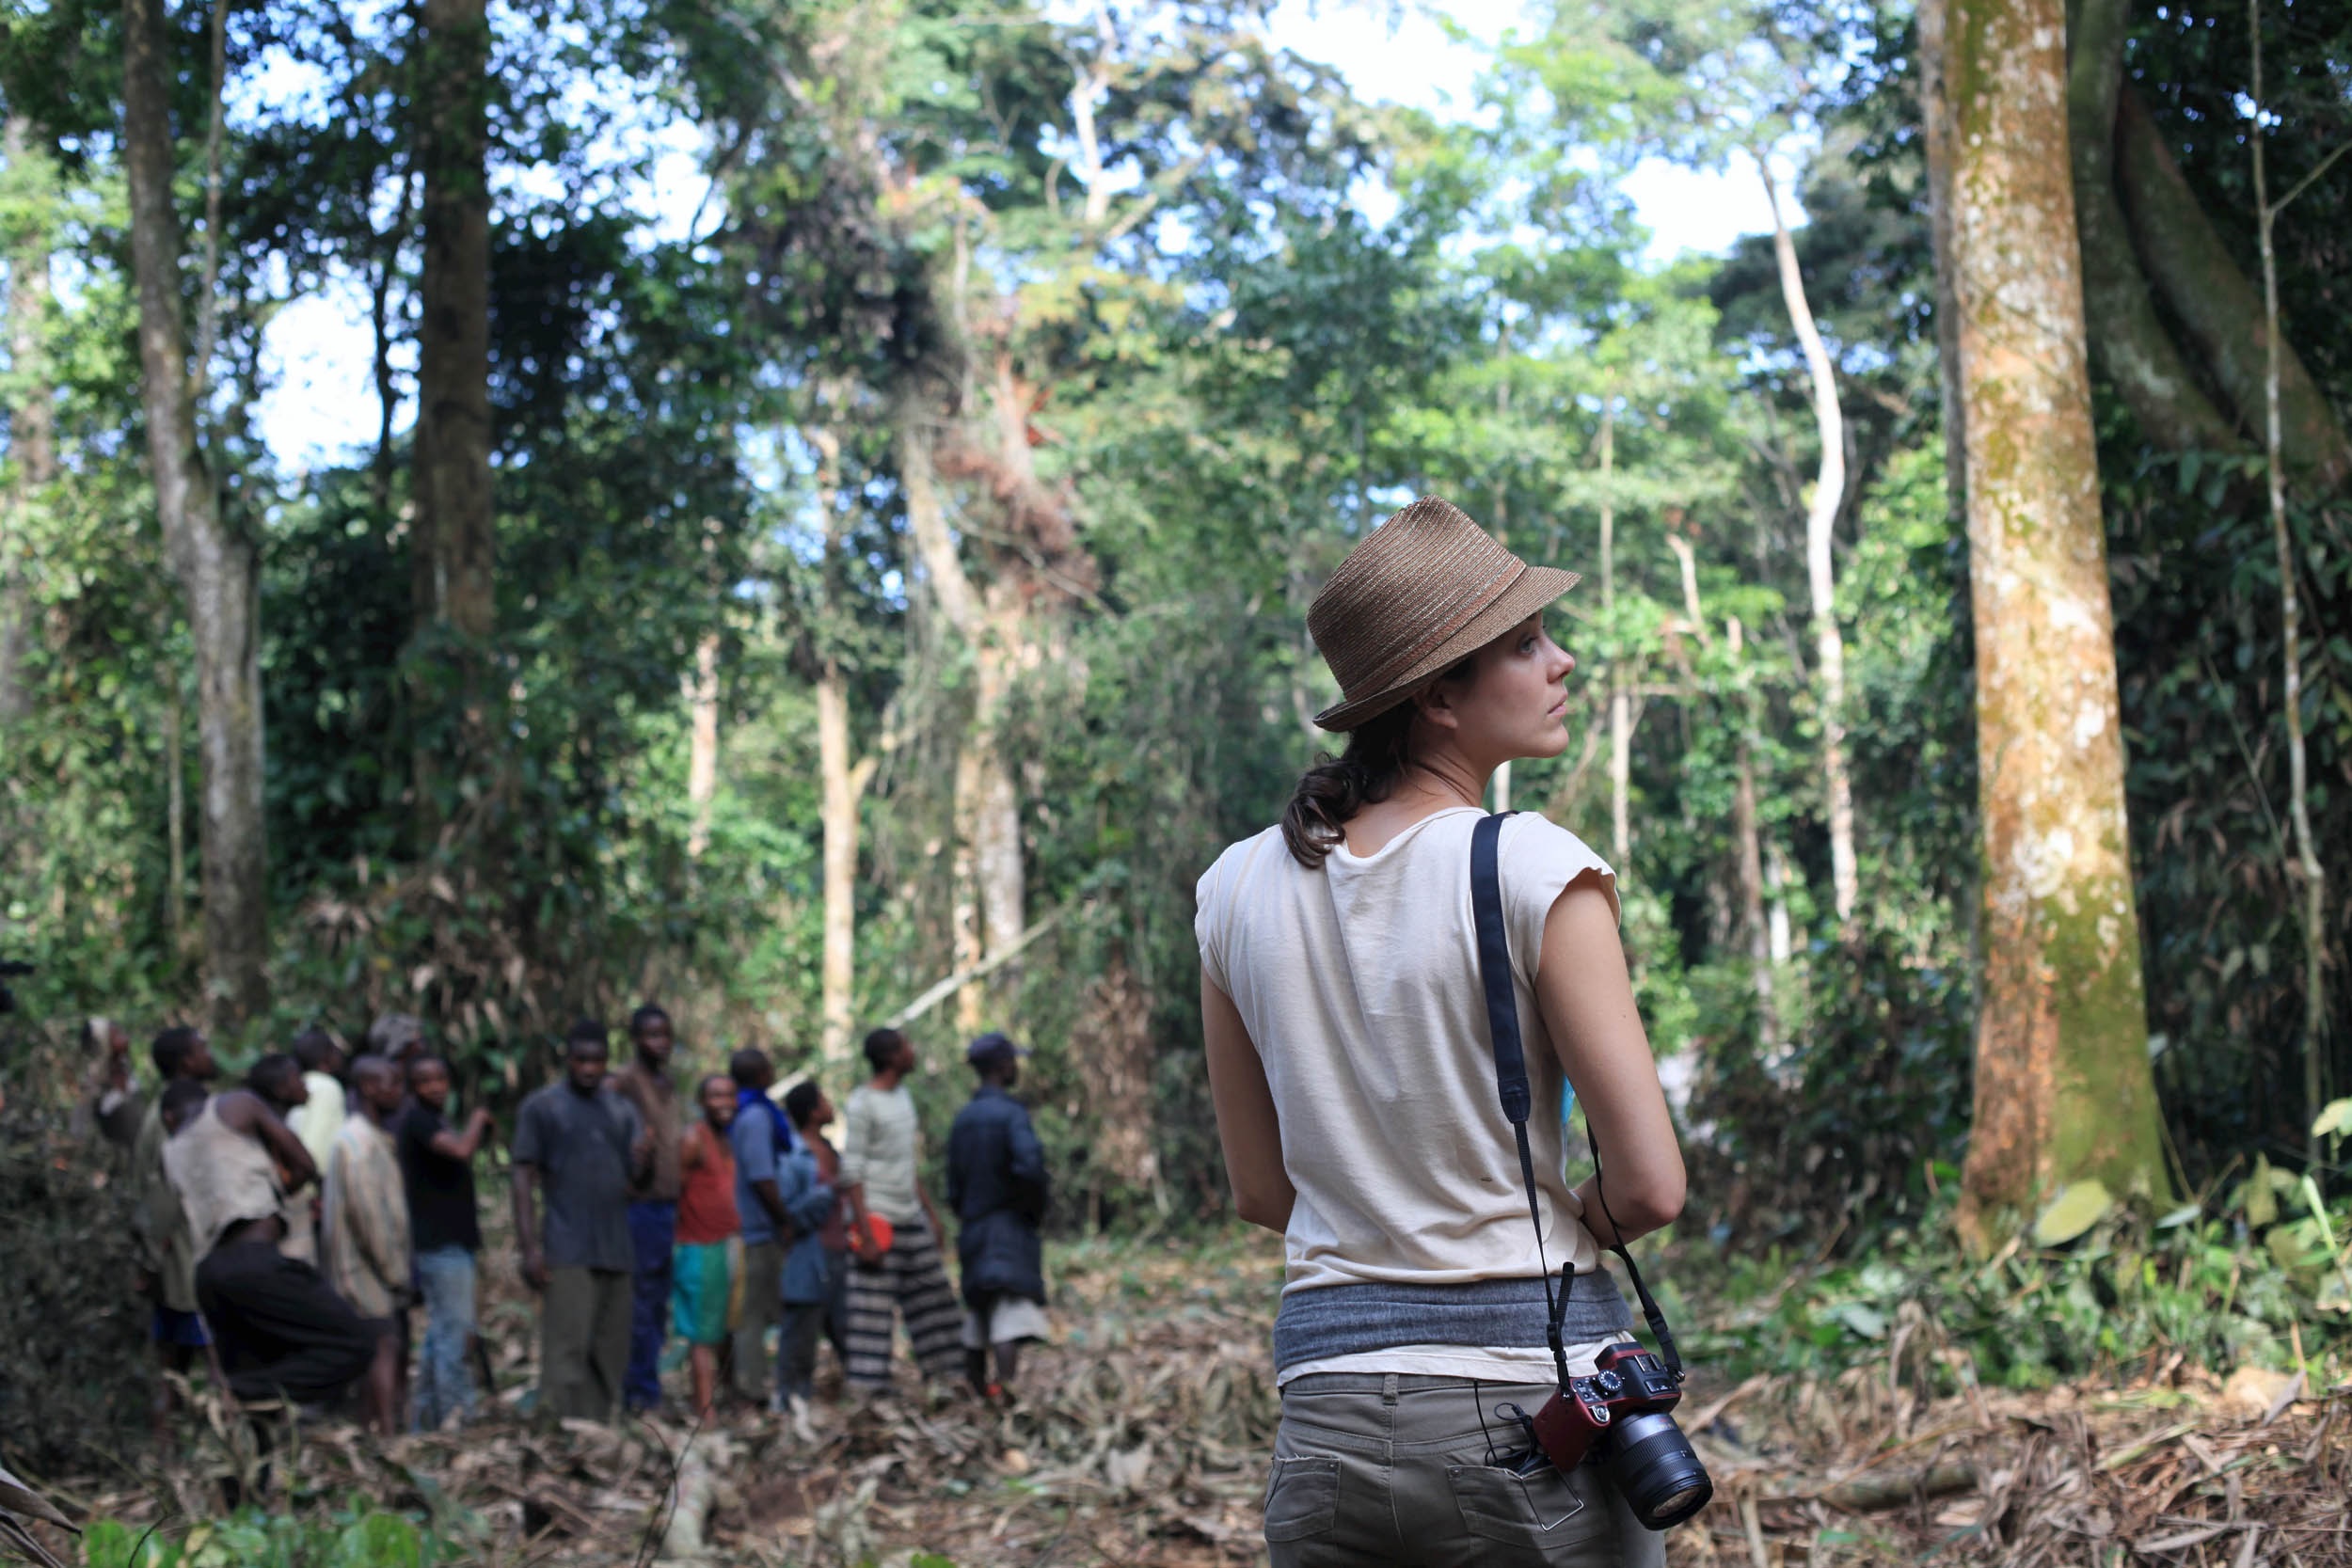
1531	833
1541	859
1238	860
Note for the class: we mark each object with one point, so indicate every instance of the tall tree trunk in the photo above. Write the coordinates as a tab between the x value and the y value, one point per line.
217	568
453	539
32	420
843	782
2063	1092
844	786
2291	634
1620	700
380	320
986	912
1935	126
2132	347
1820	521
1746	838
175	813
701	757
2220	310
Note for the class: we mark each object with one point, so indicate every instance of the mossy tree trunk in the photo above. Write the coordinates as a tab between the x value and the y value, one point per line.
2063	1092
216	565
33	413
453	538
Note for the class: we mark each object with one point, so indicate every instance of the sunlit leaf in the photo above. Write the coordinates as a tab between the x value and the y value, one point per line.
2076	1210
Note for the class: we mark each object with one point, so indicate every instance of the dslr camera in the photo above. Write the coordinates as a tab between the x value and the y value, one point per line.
1618	1417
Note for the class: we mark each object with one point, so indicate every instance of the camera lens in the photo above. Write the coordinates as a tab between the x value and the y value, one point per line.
1658	1471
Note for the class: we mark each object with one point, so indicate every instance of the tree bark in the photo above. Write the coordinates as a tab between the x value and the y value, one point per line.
175	814
1934	120
32	424
2220	310
843	782
701	756
2132	344
1820	522
453	545
2290	635
986	912
217	568
1620	700
1746	839
2063	1092
844	786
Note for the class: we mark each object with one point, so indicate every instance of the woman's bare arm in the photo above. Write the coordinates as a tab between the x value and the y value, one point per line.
1245	1122
1587	1000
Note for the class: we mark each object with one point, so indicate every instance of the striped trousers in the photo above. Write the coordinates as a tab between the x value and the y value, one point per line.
909	1281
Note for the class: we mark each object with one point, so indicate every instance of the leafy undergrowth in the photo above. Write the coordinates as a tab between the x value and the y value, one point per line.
1140	1435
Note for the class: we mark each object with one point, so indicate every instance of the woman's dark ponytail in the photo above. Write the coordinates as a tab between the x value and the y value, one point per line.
1336	788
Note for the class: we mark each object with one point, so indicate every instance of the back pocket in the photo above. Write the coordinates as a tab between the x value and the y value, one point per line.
1302	1498
1520	1511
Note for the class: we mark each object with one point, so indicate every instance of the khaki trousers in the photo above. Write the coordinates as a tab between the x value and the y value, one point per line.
1374	1470
583	1341
763	1305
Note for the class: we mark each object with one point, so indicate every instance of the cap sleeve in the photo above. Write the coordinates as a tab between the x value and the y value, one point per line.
1539	859
1208	921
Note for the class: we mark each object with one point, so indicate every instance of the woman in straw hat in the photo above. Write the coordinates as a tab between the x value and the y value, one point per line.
1349	1057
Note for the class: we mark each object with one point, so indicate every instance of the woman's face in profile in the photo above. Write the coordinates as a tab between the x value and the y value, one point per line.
1515	704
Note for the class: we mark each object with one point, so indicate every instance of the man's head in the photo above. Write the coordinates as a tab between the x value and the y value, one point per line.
751	1068
889	1051
316	1050
649	1032
428	1079
184	1052
717	1095
995	1058
379	1085
807	1106
277	1078
398	1036
586	1054
182	1097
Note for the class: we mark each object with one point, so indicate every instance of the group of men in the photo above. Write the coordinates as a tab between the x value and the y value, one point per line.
290	1226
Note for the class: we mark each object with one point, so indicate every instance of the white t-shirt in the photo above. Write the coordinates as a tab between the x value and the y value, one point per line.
1359	985
881	1147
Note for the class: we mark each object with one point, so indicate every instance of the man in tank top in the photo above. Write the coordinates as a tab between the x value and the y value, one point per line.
283	1333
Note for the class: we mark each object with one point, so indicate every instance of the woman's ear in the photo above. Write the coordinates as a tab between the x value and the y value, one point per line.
1434	705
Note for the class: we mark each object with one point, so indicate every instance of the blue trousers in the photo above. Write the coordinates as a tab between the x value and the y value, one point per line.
444	1381
653	1230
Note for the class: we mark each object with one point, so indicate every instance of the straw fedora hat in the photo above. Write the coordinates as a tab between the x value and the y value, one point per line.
1423	591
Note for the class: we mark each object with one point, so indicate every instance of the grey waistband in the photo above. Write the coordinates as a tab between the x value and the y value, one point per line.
1349	1320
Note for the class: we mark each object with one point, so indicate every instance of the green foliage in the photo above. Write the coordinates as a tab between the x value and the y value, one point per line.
2218	1287
355	1537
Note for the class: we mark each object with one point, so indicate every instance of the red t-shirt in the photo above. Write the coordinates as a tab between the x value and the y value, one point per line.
705	1202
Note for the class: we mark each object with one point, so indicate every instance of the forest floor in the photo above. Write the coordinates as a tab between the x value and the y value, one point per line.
1140	1433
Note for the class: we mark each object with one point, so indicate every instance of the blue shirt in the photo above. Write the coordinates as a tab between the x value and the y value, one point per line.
753	1137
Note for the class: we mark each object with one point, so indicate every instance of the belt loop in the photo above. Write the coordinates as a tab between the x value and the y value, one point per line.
1388	1388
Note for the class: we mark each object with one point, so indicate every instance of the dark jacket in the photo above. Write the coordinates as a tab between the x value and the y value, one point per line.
996	1185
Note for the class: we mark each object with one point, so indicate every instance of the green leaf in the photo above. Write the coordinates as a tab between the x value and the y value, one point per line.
380	1540
2180	1216
2077	1210
2334	1120
1865	1320
2260	1199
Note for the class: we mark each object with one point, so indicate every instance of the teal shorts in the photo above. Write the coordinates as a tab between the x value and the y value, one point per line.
703	1276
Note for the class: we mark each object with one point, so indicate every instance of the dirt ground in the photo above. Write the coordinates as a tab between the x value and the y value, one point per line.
1139	1436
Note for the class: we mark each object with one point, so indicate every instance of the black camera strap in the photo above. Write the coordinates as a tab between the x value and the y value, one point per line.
1503	1026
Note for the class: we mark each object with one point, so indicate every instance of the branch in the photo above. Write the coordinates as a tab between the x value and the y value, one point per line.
2305	184
980	971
